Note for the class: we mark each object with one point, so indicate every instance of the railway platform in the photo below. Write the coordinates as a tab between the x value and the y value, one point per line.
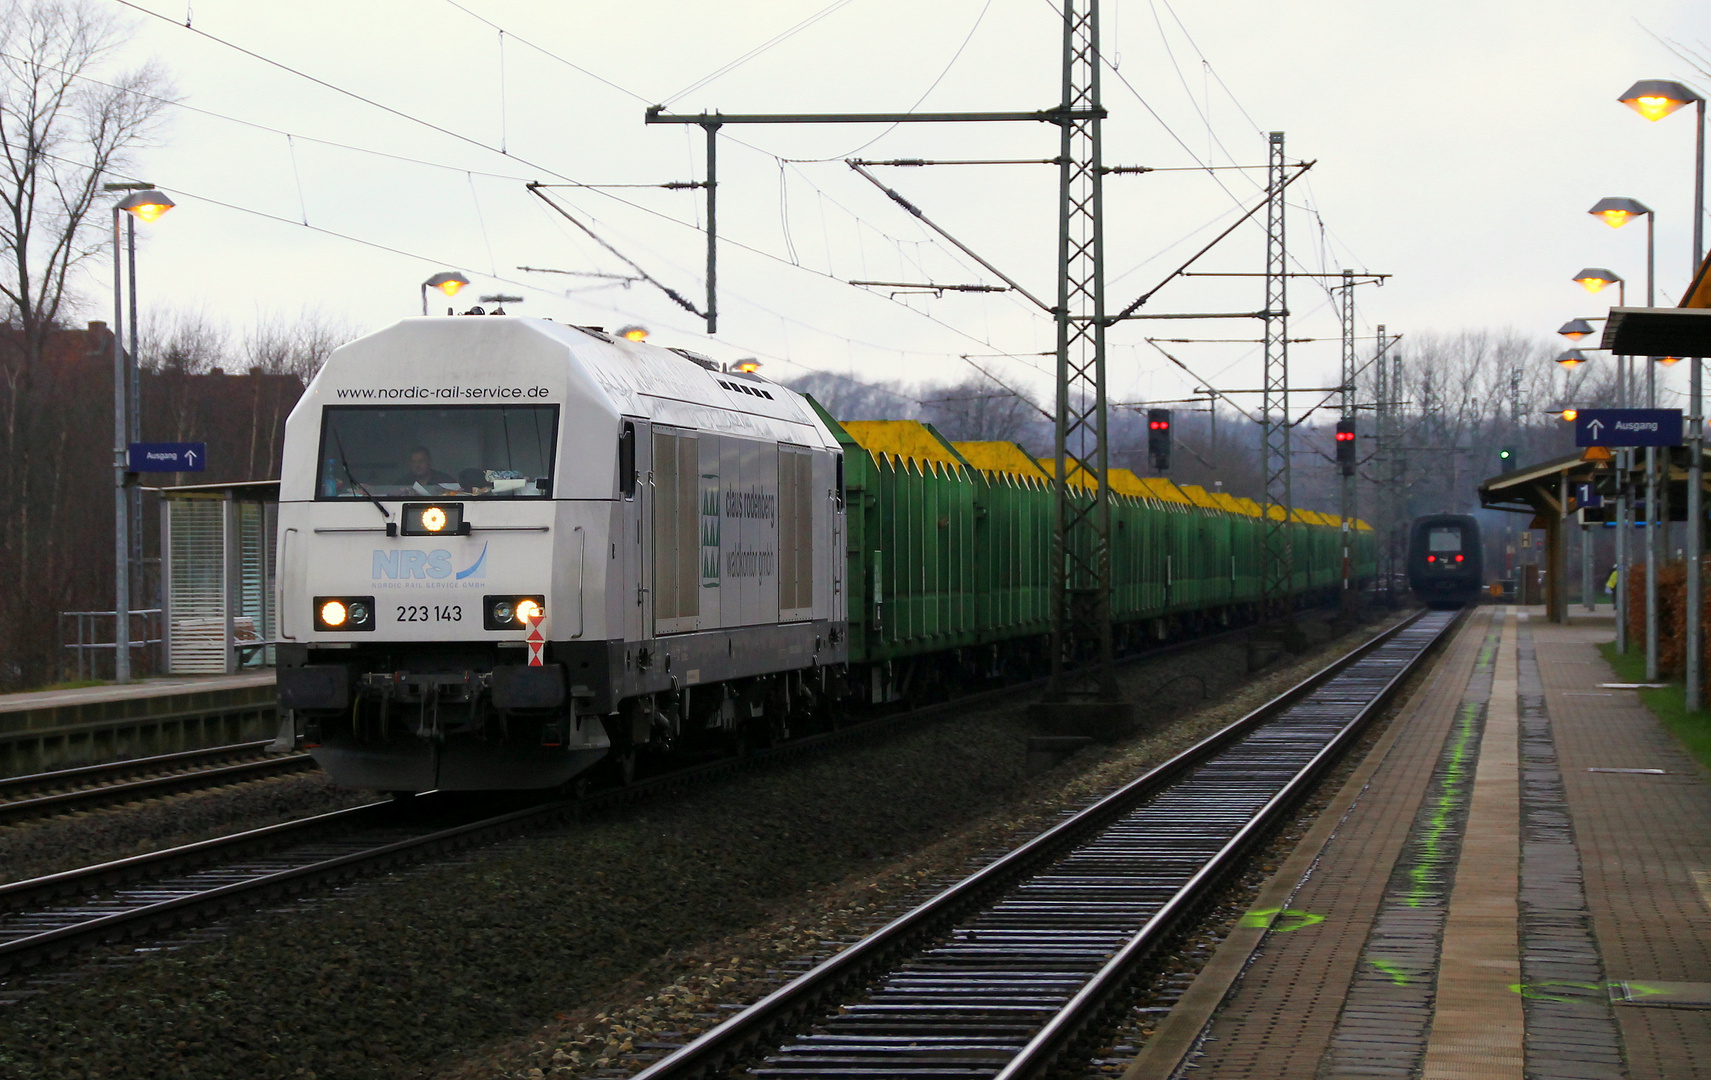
1514	883
54	729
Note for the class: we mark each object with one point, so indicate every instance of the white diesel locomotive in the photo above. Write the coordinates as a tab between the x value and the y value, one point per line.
451	486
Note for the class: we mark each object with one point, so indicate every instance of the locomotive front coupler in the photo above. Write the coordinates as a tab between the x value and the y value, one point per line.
415	687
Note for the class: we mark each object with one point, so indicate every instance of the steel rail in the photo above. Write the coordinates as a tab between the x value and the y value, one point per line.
1056	1037
738	1038
120	766
214	860
146	787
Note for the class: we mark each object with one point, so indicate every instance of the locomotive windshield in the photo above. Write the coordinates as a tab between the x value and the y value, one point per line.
1443	540
404	451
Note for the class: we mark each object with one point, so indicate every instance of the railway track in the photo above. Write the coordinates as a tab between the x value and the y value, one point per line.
111	783
46	919
1019	967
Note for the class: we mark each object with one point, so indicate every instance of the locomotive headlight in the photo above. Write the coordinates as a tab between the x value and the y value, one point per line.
512	612
344	613
433	519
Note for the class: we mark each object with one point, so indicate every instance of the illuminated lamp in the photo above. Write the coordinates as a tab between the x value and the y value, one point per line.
1594	278
1618	212
148	205
1655	99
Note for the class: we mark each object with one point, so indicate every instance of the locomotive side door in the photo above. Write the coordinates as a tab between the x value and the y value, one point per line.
635	457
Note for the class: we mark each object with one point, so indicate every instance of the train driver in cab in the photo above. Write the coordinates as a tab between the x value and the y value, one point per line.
422	472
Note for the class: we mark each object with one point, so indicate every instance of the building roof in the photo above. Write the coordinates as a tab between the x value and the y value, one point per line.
246	490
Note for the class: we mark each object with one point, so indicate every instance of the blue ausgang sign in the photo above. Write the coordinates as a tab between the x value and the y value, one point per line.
1628	427
169	457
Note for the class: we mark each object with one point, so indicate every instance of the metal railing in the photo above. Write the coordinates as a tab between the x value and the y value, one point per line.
86	644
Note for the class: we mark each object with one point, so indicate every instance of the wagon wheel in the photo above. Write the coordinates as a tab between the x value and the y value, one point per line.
621	761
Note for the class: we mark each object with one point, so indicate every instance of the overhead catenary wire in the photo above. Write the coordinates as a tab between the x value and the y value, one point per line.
777	39
790	260
460	137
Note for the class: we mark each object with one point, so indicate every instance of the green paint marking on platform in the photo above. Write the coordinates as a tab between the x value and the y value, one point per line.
1538	991
1397	975
1449	797
1270	918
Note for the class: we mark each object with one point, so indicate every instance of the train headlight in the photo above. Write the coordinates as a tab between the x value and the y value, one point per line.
433	519
513	612
344	613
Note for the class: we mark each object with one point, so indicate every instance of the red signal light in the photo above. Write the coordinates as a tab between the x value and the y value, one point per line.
1159	425
1431	558
1458	558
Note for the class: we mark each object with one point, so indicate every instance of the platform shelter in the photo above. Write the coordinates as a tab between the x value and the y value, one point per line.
217	576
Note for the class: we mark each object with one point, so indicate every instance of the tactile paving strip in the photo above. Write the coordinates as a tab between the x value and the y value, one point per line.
1571	1029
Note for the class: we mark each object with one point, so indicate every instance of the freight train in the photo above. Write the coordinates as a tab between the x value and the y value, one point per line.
1445	564
511	549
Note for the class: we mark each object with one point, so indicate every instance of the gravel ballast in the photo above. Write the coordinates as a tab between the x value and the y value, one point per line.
684	901
65	842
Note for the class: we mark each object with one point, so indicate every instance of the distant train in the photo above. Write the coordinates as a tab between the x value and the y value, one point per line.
511	549
1445	568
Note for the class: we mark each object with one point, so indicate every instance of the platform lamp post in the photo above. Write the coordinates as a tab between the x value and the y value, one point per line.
148	205
1570	360
1655	99
1594	279
1617	213
447	281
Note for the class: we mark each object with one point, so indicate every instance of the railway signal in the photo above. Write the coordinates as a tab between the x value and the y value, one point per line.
1158	439
1346	446
1506	456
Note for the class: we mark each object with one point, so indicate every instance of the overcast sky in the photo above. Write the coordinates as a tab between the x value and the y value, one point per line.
1458	147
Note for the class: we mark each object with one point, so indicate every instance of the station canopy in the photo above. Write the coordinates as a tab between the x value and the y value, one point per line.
1684	330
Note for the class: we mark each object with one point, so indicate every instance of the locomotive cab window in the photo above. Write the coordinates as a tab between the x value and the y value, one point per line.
1443	540
627	461
411	451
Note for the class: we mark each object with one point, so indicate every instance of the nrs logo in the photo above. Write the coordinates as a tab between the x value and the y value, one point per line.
415	563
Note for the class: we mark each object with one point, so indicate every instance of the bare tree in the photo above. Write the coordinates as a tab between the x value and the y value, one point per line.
277	345
61	134
979	409
70	118
851	399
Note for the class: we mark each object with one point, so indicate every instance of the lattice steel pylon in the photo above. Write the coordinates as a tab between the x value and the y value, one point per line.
1350	594
1081	550
1278	556
1383	510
